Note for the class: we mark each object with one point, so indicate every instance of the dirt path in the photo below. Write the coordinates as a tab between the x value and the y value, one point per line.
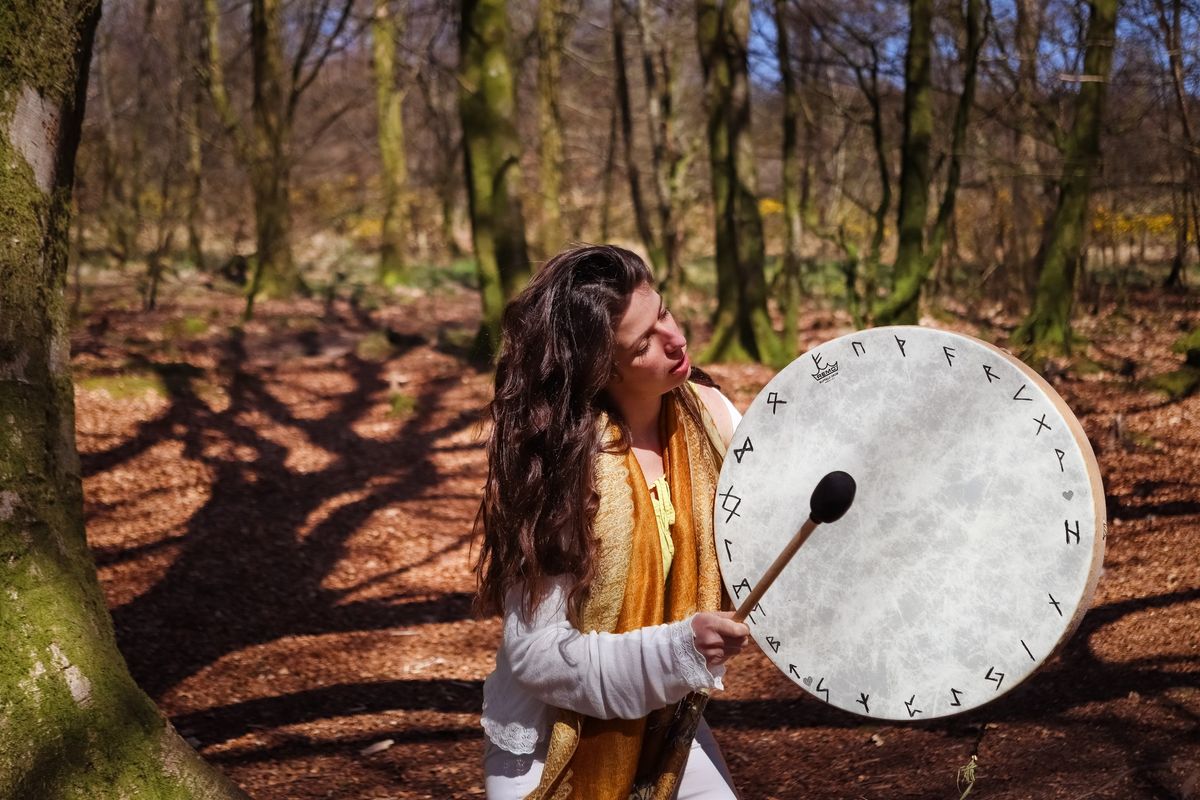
281	521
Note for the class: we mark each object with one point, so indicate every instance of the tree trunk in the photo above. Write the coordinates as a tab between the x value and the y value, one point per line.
263	151
549	30
387	25
1047	328
274	273
791	185
1179	205
665	158
641	217
487	99
1020	261
741	327
915	172
75	723
1172	28
610	160
916	253
195	171
115	206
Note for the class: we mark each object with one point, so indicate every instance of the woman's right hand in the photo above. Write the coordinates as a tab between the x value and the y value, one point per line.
718	638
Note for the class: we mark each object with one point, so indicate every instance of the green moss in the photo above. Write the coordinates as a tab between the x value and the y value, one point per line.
33	36
126	385
302	324
187	327
374	347
1083	365
455	341
1190	345
74	723
1176	385
401	405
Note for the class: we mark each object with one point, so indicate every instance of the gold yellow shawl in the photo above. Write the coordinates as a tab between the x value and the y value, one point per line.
599	759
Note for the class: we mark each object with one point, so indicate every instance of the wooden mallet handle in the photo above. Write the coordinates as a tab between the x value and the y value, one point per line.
830	500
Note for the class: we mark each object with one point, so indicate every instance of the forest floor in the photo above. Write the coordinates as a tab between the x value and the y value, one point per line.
281	518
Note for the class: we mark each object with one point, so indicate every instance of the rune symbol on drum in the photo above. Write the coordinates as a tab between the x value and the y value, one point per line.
726	496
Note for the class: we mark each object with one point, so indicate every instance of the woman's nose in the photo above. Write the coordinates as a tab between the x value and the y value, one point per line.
676	341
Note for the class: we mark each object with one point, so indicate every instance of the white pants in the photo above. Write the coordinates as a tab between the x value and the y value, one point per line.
508	776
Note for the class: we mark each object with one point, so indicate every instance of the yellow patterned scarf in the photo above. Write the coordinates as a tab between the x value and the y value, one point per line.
599	759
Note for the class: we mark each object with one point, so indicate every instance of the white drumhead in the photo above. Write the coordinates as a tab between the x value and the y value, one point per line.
974	543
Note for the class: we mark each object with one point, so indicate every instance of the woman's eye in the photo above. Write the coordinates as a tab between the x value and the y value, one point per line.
641	351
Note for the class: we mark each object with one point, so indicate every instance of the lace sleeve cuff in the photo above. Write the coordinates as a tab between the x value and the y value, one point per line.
693	668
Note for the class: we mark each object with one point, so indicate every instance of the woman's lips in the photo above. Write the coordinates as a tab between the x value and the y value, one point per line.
683	365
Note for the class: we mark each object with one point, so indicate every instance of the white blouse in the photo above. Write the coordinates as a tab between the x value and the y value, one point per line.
544	663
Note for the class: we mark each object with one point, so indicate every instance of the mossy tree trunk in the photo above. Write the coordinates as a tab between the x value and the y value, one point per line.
550	125
492	153
1047	328
387	25
270	176
742	328
916	252
72	721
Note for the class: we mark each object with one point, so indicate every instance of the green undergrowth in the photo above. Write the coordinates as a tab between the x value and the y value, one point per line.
140	378
125	386
1189	345
401	405
1176	385
374	347
191	326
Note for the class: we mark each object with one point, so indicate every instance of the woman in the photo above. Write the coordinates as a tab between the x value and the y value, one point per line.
597	539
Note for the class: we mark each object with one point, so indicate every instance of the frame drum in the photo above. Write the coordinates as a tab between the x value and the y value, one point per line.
974	543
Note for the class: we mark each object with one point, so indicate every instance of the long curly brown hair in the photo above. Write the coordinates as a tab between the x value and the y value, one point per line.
557	355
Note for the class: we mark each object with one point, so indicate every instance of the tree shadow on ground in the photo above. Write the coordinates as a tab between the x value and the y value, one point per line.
243	575
329	702
1075	679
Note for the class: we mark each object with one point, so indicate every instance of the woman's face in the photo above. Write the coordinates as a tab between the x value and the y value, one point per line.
651	353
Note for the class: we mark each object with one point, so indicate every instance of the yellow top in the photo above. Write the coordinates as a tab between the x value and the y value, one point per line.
664	515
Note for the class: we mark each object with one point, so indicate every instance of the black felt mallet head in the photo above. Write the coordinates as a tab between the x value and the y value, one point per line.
832	497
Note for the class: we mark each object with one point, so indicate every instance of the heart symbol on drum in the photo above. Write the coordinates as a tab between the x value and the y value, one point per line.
808	681
1067	495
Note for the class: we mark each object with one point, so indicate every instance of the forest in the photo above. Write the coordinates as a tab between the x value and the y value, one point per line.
254	263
